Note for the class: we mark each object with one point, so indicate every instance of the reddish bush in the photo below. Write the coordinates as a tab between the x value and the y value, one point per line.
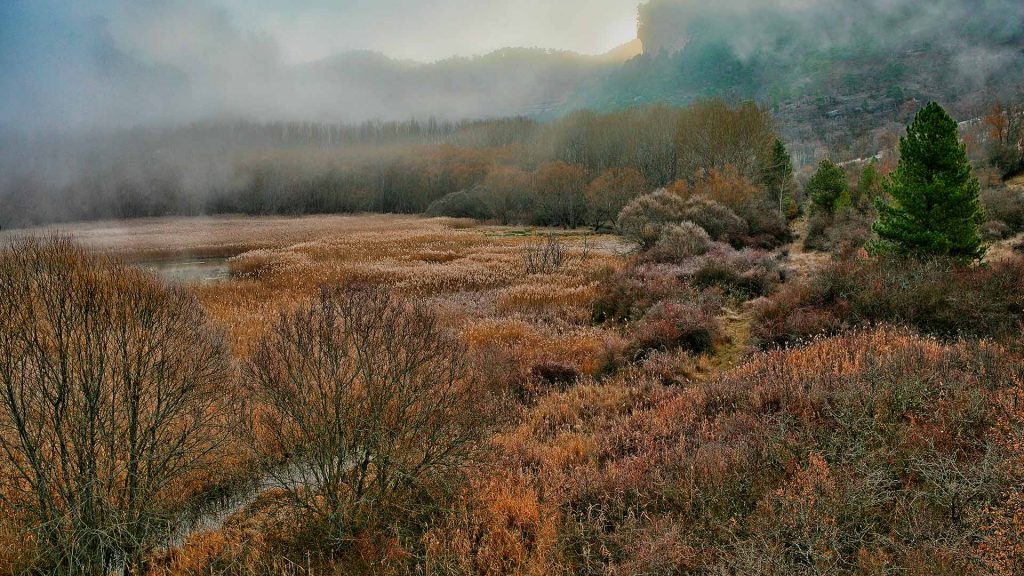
767	227
815	459
745	274
721	223
628	294
936	297
691	326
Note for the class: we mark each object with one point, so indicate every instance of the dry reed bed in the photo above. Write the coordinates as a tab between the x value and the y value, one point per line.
472	274
512	321
476	277
148	239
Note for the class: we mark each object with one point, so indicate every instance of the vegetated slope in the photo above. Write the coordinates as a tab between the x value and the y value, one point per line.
832	70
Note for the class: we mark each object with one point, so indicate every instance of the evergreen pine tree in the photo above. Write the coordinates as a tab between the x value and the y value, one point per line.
777	175
827	186
935	208
869	186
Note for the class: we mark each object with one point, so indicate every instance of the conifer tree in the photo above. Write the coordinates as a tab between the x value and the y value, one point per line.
869	186
827	186
777	175
935	208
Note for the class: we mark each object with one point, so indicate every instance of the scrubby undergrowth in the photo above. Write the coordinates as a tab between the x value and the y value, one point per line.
869	453
937	297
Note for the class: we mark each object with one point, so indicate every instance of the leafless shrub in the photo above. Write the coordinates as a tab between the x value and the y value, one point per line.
545	257
679	242
369	402
108	389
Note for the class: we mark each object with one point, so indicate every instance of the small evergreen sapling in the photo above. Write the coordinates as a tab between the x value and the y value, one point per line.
827	187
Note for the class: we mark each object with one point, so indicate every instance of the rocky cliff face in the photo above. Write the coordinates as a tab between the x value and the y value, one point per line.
662	25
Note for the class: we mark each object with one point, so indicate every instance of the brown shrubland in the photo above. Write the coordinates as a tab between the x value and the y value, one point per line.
874	451
620	421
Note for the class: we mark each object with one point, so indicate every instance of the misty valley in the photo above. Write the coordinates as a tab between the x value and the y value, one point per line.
314	288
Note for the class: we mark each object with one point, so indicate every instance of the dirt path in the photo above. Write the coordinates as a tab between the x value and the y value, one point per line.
737	322
800	261
1013	246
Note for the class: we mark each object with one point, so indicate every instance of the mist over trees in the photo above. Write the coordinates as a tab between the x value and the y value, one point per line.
512	170
159	146
835	72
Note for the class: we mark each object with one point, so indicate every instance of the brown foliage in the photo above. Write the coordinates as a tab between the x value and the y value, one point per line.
610	192
364	409
112	392
935	297
868	452
713	135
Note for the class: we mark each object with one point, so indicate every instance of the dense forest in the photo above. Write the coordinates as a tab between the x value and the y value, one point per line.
532	169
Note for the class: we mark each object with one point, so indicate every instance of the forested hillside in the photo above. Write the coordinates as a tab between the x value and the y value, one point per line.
833	71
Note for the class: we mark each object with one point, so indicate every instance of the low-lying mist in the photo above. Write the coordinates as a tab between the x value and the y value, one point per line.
134	109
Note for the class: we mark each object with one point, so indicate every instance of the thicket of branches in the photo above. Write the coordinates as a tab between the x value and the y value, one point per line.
365	409
110	392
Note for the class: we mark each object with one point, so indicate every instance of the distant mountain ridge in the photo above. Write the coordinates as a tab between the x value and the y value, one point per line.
827	68
832	70
506	82
843	58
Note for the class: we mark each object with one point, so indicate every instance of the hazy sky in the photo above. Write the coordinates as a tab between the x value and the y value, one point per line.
84	62
433	29
306	30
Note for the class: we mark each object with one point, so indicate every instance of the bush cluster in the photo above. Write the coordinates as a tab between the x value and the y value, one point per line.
874	452
680	241
1004	207
691	326
845	231
721	223
936	296
743	274
645	218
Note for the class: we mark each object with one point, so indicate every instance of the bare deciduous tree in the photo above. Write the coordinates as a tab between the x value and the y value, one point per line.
368	402
108	390
546	256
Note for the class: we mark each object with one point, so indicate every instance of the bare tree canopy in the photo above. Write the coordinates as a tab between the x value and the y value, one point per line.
109	384
370	404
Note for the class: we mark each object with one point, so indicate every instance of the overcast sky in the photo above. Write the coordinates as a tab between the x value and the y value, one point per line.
433	29
83	62
306	30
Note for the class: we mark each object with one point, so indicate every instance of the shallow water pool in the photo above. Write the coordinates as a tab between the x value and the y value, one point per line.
189	271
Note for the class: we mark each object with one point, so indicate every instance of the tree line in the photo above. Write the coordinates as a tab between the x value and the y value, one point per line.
515	170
